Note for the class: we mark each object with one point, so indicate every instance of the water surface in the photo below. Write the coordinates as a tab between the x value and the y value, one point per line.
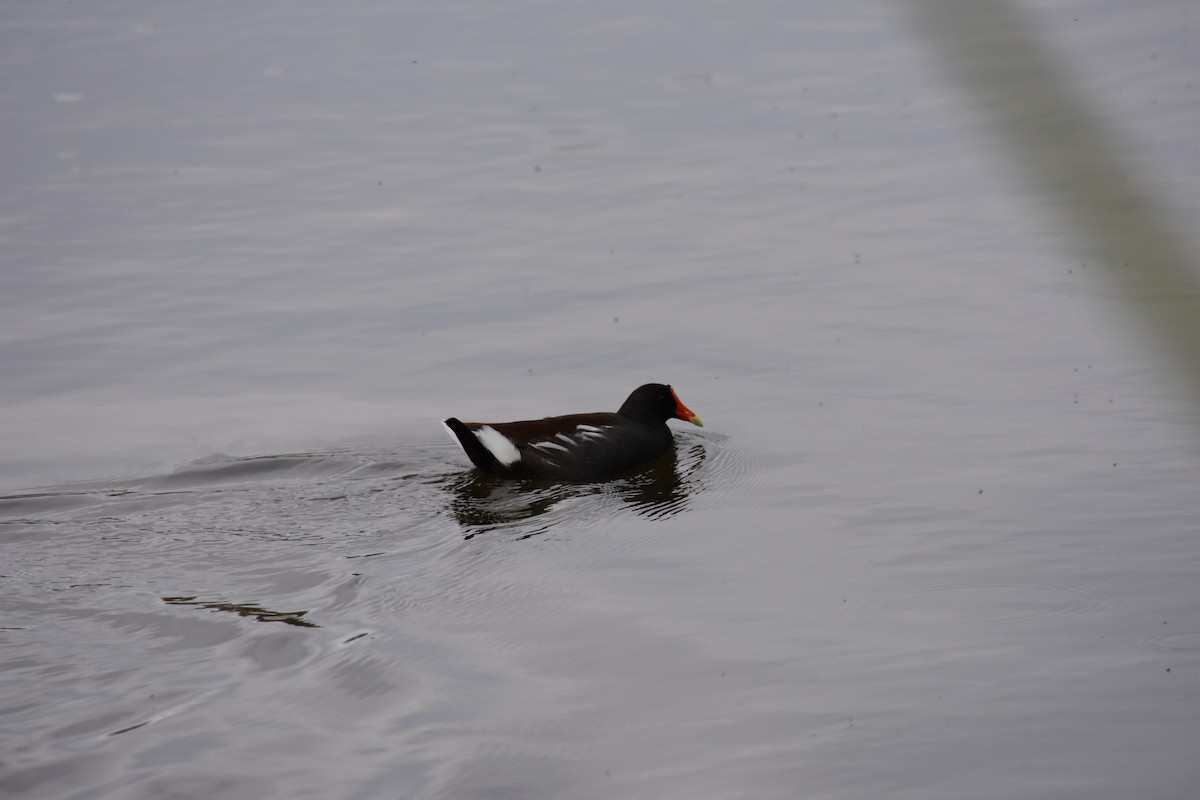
938	538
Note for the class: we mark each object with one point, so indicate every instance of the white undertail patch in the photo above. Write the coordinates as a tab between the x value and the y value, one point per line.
498	445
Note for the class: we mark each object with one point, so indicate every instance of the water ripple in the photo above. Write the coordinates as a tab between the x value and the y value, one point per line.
1176	642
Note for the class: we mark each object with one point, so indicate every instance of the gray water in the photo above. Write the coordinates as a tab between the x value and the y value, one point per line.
926	270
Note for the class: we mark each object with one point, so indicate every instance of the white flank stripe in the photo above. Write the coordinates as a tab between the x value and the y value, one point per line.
498	445
548	446
591	432
564	437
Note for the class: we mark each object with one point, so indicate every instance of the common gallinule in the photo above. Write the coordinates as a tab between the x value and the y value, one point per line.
577	447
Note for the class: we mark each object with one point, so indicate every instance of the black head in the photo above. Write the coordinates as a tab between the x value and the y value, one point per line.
656	402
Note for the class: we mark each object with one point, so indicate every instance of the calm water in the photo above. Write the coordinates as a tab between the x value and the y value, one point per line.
928	276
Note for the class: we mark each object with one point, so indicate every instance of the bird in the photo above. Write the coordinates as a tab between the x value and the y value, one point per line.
576	447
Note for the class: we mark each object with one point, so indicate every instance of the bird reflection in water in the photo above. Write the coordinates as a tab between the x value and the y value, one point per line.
661	489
